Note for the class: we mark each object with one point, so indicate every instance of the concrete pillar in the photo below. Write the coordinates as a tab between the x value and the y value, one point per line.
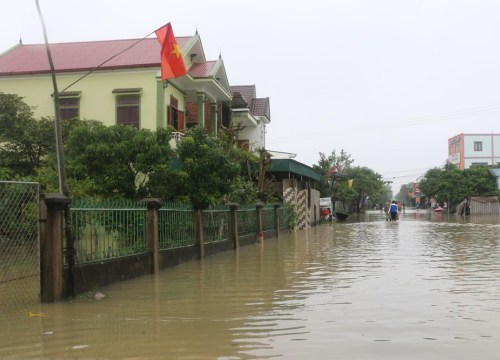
234	225
152	235
200	108
213	118
259	217
51	249
277	219
198	228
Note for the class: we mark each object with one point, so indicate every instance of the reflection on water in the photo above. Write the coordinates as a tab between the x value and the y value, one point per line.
425	287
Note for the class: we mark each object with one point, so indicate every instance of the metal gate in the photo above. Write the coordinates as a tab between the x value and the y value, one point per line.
19	244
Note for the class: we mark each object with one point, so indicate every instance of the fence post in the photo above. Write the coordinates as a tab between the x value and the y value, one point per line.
198	228
51	249
259	217
152	237
277	219
234	225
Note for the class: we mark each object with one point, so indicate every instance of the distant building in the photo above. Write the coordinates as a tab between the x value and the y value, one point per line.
250	115
469	150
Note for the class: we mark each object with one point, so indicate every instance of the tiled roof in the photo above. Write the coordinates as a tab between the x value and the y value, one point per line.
202	69
257	106
248	92
82	56
260	107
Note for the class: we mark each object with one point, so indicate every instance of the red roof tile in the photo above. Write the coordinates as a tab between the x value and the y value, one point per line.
202	69
82	56
260	107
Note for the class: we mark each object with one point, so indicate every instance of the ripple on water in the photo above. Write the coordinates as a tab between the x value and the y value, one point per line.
354	290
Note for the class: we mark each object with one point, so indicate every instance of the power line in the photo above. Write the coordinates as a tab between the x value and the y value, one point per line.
451	115
402	171
106	61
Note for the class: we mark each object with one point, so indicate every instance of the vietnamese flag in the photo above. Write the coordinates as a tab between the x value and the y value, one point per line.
172	64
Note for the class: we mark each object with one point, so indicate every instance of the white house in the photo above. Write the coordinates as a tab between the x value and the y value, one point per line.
468	150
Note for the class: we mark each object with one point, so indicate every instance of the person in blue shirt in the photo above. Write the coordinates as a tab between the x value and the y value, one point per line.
393	210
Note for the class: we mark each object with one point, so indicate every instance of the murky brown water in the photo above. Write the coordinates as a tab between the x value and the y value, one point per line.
426	287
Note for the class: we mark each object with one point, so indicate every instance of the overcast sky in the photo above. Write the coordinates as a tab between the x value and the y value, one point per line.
388	81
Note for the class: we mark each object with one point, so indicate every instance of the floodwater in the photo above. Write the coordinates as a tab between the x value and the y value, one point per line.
425	287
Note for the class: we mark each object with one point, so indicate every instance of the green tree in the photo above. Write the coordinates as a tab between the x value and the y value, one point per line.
115	161
341	162
206	169
25	140
453	185
366	184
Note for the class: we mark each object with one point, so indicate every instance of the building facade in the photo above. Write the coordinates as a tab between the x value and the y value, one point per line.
469	150
250	116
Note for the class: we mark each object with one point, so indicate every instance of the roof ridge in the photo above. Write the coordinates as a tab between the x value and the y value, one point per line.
98	41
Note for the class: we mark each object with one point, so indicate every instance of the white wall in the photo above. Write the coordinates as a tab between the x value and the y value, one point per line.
490	153
255	135
469	145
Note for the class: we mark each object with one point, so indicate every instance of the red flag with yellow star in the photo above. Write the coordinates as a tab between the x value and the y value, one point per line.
172	64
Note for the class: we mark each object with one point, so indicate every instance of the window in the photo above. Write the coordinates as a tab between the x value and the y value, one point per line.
69	105
173	113
175	117
128	107
478	146
244	144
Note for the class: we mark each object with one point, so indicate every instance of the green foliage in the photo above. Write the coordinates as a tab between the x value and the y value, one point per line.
206	168
365	184
293	216
25	140
6	173
453	185
266	189
253	182
115	161
342	163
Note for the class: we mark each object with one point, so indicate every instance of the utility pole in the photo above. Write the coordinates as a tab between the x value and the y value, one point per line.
63	186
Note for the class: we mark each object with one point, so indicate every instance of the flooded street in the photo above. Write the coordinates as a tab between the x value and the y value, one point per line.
425	287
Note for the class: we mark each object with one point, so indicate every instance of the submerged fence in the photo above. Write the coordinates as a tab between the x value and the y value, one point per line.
108	229
111	229
114	240
176	226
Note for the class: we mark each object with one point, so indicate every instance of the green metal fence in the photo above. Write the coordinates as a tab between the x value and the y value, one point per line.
216	224
284	216
108	229
268	218
247	220
176	226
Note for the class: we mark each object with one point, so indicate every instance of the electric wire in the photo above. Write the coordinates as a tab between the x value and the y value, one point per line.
418	120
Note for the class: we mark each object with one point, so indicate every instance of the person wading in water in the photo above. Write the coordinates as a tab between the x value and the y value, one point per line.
393	209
